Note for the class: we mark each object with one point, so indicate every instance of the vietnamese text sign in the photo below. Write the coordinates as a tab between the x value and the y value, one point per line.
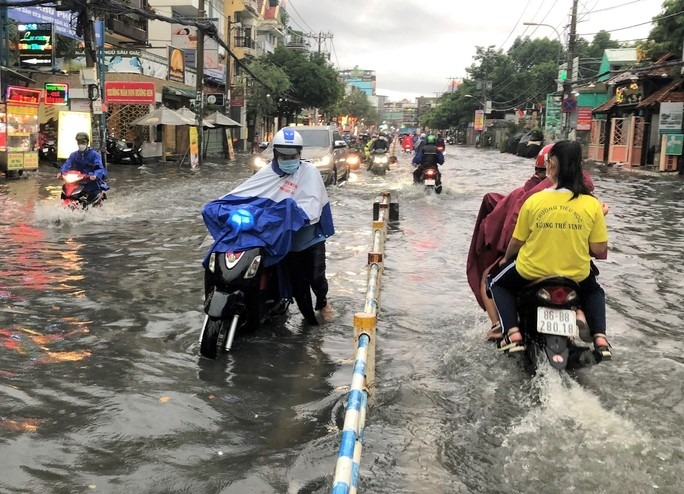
670	121
35	44
56	93
584	118
61	19
553	114
130	93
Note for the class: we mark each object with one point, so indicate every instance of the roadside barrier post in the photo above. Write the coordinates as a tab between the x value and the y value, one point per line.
346	476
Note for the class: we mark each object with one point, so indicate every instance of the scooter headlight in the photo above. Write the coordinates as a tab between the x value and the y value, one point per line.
253	268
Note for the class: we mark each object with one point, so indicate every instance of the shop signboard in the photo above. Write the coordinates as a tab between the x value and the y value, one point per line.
129	93
670	121
23	95
62	20
15	161
176	64
56	94
36	41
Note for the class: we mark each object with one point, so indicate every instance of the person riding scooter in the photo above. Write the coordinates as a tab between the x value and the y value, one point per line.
88	161
428	157
379	145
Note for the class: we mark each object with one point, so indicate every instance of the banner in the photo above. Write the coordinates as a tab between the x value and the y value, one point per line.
552	123
194	147
229	139
129	93
479	119
584	118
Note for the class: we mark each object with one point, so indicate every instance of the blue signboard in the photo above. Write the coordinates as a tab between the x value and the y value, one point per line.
60	19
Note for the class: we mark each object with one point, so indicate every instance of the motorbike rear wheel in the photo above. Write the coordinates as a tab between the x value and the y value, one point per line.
214	336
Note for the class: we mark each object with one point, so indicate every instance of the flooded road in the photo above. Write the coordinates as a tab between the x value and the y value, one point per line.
102	388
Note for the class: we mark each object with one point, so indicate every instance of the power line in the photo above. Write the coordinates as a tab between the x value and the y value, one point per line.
290	4
655	19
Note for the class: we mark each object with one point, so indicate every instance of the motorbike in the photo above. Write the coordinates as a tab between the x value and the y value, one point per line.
378	162
429	178
451	140
242	293
118	151
73	195
354	159
47	148
547	310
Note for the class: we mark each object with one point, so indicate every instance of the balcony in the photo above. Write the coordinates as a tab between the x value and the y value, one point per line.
126	27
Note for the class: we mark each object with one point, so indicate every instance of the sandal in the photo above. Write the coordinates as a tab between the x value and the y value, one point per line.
508	345
583	327
495	334
603	350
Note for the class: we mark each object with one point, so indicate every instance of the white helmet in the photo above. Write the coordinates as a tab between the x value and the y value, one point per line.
287	141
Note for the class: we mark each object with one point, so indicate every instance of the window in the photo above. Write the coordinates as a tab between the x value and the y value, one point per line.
315	138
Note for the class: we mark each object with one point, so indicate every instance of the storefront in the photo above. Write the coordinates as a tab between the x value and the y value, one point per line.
19	127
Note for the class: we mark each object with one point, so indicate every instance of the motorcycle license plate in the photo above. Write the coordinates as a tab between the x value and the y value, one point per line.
429	181
560	322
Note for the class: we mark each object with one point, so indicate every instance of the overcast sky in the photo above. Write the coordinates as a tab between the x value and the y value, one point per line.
416	46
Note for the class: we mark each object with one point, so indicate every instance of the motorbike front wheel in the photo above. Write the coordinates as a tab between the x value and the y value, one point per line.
214	336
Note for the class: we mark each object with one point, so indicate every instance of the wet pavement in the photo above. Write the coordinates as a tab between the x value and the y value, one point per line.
102	388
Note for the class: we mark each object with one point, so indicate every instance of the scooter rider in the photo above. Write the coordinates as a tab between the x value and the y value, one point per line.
428	156
88	161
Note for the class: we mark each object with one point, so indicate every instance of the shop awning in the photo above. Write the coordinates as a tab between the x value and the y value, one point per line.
179	91
668	93
605	107
12	74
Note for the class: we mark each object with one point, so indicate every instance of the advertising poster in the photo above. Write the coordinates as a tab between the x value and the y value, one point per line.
176	64
584	118
194	147
70	123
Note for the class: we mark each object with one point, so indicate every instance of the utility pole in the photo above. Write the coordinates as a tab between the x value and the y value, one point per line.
226	99
572	48
93	59
199	82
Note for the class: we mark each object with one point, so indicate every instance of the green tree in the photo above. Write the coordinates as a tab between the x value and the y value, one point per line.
263	100
668	34
314	81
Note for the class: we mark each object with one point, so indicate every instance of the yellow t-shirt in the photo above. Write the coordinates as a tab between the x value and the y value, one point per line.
557	232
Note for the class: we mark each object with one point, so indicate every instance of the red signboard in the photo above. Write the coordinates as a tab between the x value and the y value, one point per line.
23	95
129	93
584	118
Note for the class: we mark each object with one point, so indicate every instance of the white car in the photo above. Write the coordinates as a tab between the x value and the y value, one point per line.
323	145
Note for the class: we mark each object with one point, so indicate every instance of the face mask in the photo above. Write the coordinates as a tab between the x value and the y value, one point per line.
82	147
288	166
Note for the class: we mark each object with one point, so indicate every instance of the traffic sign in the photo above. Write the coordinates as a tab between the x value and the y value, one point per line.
569	105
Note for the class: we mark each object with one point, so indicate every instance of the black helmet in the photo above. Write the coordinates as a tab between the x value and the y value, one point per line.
82	136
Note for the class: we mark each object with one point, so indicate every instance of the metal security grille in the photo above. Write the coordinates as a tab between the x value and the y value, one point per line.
119	118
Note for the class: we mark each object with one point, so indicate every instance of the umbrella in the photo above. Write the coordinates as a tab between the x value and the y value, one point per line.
220	120
163	116
188	113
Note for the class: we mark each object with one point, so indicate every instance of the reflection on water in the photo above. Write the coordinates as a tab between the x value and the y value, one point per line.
101	387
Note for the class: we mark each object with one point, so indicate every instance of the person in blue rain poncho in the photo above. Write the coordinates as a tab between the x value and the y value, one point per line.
289	215
88	161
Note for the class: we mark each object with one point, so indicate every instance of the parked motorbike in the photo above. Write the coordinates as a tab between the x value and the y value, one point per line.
429	177
119	151
73	194
548	322
379	162
47	148
241	293
451	140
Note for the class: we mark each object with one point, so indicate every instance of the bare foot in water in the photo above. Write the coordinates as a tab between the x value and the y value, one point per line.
327	313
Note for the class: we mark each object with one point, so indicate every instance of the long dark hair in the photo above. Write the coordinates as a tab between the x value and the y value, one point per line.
570	176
